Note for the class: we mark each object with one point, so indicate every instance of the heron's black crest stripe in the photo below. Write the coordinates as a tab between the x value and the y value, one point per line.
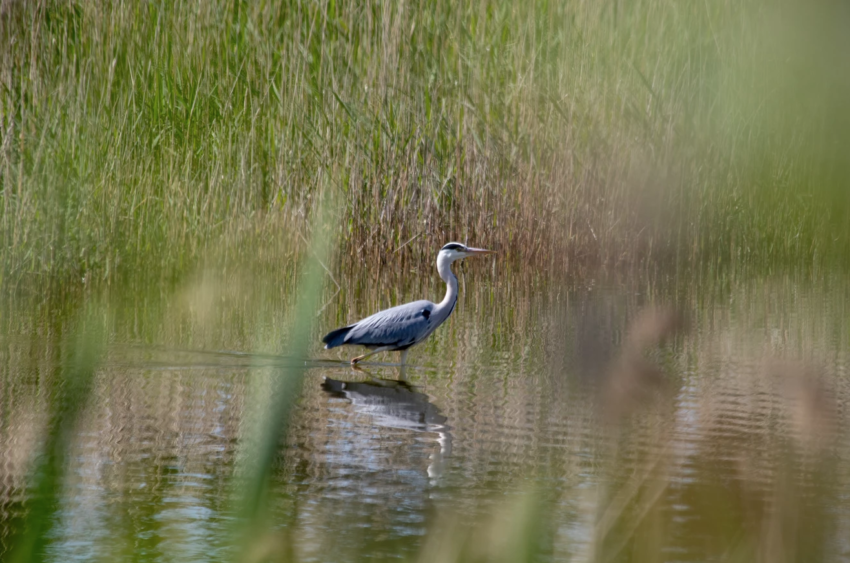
453	246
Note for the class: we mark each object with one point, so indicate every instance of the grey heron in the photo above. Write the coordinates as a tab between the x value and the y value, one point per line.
403	326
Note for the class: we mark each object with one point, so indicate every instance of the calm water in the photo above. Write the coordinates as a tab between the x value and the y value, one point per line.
669	424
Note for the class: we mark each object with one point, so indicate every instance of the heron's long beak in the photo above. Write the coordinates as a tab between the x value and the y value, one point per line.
474	251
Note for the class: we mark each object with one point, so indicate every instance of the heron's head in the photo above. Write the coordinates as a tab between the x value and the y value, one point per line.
457	251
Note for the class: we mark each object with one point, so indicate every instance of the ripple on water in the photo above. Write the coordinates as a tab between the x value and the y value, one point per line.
497	403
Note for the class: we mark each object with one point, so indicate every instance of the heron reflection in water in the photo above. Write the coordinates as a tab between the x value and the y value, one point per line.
396	404
401	327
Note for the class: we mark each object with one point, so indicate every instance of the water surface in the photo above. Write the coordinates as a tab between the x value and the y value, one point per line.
666	422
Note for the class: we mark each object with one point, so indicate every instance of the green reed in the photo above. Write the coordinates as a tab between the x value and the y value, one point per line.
141	139
274	397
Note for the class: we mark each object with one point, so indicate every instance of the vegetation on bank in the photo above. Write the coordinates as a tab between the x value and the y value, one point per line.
140	138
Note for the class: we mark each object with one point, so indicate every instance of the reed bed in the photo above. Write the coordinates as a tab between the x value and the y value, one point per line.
143	139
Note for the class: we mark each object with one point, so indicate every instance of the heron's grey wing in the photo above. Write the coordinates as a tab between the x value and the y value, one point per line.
397	327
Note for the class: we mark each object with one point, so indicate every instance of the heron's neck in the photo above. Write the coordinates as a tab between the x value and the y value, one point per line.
444	266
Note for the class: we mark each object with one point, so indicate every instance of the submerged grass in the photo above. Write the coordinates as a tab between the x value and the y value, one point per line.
139	139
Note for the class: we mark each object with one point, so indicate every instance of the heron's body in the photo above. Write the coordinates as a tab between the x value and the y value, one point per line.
403	326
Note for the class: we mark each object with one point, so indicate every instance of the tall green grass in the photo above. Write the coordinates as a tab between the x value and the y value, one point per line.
138	139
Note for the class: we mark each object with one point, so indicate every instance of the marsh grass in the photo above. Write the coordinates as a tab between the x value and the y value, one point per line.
138	140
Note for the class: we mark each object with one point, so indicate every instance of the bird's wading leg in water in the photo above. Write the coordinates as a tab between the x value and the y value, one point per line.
372	353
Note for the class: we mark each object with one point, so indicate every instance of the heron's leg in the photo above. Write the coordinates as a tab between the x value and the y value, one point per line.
402	373
360	358
372	353
404	356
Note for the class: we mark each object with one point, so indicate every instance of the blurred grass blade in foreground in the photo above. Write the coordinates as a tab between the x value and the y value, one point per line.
274	392
28	539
